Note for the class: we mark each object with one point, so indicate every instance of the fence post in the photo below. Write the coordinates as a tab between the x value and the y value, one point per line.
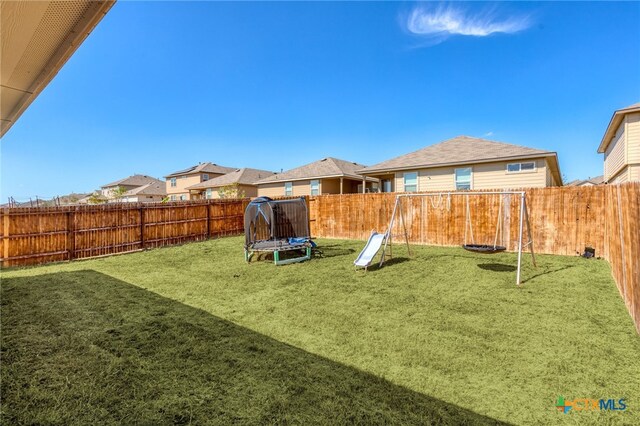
5	236
307	200
208	219
142	228
71	237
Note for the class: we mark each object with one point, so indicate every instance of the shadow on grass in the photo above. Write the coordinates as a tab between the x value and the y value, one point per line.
390	262
83	347
333	251
497	267
546	272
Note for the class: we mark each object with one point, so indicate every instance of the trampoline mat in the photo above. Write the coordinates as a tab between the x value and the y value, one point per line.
279	245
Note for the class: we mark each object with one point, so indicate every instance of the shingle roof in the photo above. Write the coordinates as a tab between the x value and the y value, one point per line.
245	176
152	188
593	181
203	168
614	123
135	180
458	150
327	167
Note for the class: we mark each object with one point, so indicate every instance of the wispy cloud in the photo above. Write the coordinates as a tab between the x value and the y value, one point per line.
437	23
488	134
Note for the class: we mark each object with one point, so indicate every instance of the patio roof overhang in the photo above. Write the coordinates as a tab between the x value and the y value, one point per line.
38	37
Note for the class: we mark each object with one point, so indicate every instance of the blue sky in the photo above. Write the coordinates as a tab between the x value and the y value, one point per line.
160	86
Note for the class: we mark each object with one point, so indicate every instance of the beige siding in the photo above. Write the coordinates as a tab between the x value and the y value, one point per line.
436	179
621	177
143	199
271	190
615	154
634	172
495	176
483	176
243	191
329	186
249	190
276	189
182	182
633	138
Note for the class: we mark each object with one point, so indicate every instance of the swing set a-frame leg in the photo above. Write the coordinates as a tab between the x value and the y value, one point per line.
406	234
530	243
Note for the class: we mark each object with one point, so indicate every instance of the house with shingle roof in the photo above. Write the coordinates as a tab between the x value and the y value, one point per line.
149	193
327	176
598	180
129	183
239	183
177	182
621	146
464	163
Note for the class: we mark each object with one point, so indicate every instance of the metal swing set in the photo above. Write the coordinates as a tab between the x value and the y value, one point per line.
469	241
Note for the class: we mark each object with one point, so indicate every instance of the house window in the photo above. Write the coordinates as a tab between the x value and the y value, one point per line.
411	182
172	198
521	167
463	178
315	187
209	193
205	177
183	197
173	182
288	189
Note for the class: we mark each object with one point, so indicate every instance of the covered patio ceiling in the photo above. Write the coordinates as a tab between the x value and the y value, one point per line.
37	39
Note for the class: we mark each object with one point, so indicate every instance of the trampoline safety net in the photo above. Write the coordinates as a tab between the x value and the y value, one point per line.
272	220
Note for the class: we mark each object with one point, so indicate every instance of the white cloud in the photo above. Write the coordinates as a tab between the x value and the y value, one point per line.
488	134
439	23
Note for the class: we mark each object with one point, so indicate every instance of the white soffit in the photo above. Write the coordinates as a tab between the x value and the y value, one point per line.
37	39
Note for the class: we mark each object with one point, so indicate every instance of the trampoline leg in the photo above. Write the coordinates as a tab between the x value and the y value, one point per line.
308	253
276	257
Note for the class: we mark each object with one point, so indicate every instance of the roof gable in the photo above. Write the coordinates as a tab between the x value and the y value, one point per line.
135	180
244	176
327	167
458	150
152	188
203	168
614	123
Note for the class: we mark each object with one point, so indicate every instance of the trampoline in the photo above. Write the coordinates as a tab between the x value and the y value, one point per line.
277	226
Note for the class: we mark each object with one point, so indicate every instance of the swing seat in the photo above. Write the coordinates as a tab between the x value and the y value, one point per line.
483	248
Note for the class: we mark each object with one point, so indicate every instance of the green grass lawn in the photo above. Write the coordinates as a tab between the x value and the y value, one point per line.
194	334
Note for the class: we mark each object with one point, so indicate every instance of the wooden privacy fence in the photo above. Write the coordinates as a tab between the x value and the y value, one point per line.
41	235
563	221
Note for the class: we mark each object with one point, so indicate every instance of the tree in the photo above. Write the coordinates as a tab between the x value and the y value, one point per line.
231	191
96	198
119	192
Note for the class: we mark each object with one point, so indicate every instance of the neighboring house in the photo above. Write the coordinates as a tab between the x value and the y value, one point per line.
598	180
464	163
326	176
621	146
178	182
150	193
239	183
93	197
128	183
